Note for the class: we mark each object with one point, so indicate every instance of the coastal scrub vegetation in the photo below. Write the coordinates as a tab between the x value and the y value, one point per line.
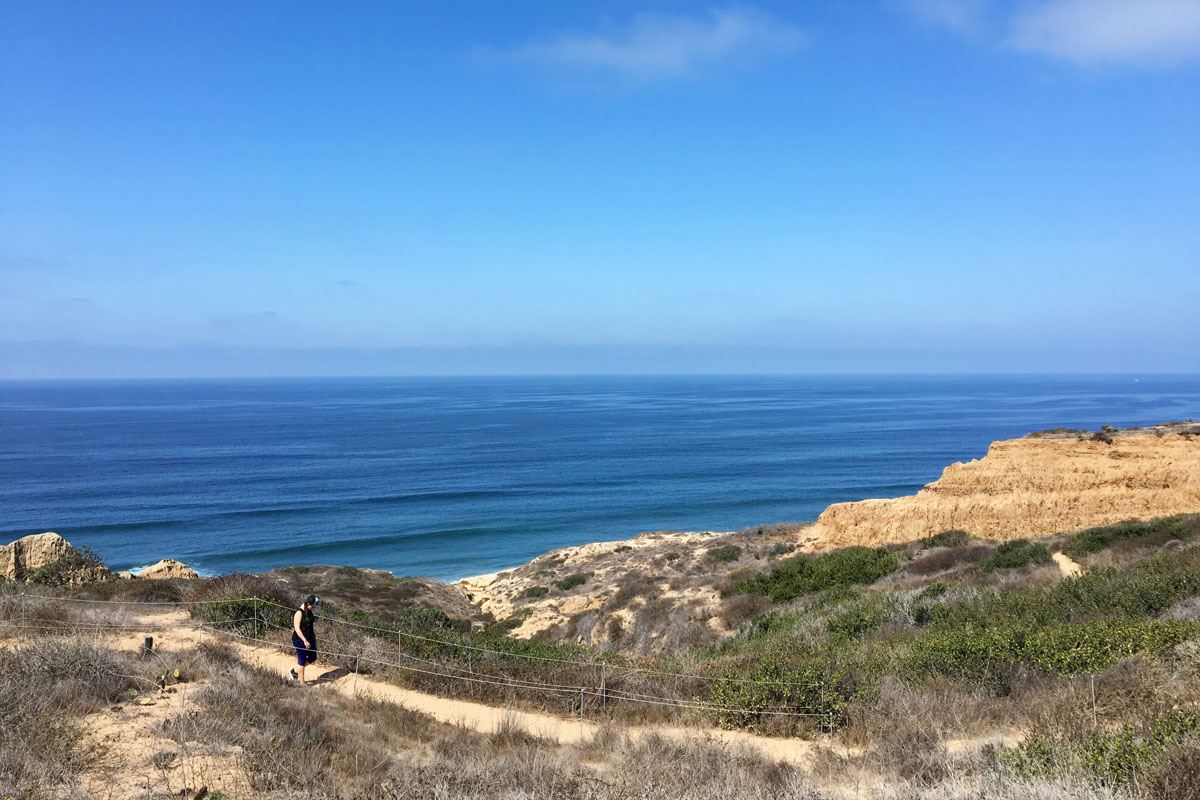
950	538
898	658
1093	540
570	582
77	565
803	575
725	553
1017	553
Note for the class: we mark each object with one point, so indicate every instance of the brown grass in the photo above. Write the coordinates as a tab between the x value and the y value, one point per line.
46	685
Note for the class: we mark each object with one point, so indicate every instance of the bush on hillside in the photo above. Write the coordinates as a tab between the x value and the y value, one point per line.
1120	757
246	604
534	592
984	657
78	565
945	558
1017	553
571	581
772	529
858	618
725	553
780	549
1093	540
803	575
950	538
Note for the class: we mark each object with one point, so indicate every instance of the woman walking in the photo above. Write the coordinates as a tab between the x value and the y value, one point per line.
303	637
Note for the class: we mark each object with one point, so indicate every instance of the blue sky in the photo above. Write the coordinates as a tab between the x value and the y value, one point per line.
912	174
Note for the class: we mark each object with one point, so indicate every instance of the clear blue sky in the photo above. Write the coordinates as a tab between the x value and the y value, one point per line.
860	174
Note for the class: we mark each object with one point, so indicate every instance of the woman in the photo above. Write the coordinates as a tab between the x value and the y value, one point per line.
303	637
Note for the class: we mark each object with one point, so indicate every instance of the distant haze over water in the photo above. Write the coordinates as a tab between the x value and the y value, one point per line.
446	477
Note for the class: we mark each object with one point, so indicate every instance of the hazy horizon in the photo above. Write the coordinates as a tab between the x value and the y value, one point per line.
65	360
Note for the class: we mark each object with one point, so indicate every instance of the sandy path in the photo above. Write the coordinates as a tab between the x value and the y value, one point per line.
174	630
1068	567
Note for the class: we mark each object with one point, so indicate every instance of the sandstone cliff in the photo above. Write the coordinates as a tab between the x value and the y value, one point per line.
30	553
1033	487
168	568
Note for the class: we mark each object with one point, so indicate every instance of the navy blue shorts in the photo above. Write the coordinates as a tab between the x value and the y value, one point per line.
304	655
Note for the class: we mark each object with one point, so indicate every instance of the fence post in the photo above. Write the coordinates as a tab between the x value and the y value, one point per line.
399	649
356	675
603	685
581	713
1095	721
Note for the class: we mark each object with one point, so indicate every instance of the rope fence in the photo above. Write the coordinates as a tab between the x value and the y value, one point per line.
601	692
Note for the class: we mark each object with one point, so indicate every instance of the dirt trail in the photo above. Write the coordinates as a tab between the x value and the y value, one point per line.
175	630
1066	565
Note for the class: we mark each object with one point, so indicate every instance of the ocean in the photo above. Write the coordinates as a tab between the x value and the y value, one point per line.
450	477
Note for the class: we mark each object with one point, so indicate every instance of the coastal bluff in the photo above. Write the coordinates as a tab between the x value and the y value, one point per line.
1034	486
660	590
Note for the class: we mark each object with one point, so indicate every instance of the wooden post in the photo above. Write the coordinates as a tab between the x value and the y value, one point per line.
356	675
256	618
581	713
603	685
148	646
1095	720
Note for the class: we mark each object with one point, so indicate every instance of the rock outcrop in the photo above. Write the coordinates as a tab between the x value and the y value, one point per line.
1034	487
29	553
168	568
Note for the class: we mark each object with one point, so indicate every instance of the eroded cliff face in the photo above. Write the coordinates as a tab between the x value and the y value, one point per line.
1033	487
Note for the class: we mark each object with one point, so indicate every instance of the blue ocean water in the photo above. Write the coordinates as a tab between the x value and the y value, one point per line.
455	476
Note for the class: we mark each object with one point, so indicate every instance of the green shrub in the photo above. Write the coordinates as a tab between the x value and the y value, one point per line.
571	581
725	553
1145	590
533	592
765	623
413	620
1117	758
780	549
230	602
1037	434
774	684
803	575
984	656
858	619
1017	553
498	629
935	589
77	565
1095	646
977	657
1093	540
671	556
951	538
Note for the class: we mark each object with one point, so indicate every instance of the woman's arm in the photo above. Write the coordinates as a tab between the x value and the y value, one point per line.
296	627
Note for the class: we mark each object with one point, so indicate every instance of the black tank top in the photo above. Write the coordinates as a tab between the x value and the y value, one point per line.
306	625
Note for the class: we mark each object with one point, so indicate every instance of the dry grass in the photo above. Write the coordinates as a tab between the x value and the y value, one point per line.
297	742
941	709
46	685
